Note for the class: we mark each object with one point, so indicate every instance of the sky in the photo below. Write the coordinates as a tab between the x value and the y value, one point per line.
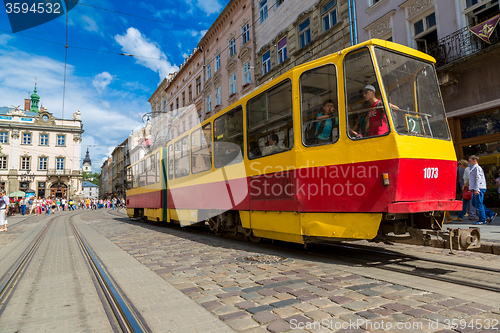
110	90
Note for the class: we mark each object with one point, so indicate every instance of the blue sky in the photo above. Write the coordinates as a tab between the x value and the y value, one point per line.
111	90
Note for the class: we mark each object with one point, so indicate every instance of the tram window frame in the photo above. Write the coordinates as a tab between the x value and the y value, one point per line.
259	126
355	104
142	173
158	167
170	162
309	123
204	147
151	170
227	136
420	112
181	154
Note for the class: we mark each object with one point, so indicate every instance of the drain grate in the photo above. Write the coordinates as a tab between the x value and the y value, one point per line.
264	259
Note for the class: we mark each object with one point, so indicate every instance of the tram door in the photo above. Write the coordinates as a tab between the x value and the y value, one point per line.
58	190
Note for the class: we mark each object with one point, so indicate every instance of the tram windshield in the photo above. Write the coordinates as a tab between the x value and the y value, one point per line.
413	94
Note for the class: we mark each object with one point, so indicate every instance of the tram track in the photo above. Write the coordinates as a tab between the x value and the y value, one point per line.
119	309
120	312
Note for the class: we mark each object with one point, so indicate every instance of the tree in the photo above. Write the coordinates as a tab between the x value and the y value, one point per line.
91	177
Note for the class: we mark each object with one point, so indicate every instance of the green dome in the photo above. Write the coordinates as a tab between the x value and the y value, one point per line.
34	100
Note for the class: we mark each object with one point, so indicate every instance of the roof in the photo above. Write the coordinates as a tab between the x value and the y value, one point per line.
88	184
5	110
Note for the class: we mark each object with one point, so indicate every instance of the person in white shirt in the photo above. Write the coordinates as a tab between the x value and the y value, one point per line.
477	183
4	209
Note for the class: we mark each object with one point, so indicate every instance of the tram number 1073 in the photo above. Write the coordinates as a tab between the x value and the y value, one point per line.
430	173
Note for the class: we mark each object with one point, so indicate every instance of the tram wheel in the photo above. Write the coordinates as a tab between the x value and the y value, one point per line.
212	225
254	239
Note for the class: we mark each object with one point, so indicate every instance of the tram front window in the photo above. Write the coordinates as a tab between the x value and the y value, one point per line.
413	94
366	113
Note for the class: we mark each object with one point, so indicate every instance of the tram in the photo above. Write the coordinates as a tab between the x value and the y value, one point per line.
379	164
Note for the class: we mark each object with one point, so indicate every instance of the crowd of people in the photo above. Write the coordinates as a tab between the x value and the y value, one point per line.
34	206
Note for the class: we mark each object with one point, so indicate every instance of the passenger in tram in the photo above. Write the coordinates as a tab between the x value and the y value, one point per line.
273	145
254	150
374	122
327	130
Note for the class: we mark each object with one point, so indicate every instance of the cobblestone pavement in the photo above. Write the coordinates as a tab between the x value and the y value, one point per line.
301	294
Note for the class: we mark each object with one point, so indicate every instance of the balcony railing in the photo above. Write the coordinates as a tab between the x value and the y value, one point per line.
58	172
460	44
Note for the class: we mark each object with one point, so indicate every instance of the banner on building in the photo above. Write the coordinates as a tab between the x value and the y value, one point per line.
485	29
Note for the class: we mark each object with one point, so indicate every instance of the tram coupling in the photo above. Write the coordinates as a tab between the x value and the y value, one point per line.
398	228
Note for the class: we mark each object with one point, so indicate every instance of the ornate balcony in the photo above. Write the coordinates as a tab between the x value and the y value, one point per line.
459	45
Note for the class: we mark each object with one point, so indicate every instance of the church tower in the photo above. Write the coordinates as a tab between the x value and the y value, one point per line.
87	163
35	99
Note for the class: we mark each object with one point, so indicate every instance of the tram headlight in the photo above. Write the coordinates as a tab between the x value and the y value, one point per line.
385	179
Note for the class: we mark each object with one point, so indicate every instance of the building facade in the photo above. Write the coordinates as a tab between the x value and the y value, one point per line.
105	179
90	190
468	67
40	153
289	33
228	51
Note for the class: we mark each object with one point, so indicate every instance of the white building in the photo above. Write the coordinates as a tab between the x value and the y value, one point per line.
40	153
90	190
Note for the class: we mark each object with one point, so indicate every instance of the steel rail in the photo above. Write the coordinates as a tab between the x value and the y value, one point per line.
11	278
126	316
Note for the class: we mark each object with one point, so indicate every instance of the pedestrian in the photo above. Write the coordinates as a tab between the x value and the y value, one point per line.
477	183
22	204
465	192
32	205
39	204
4	209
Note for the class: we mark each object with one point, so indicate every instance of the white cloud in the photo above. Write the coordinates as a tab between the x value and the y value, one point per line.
4	39
102	80
146	52
89	24
208	6
106	119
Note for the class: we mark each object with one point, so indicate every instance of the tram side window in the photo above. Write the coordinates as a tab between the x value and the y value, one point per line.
228	138
270	121
201	149
142	173
130	179
319	106
366	114
158	167
151	170
182	157
170	162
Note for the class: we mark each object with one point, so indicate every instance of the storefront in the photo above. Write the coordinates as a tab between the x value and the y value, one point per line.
479	134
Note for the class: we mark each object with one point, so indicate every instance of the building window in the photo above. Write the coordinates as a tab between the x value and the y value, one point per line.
164	105
245	36
304	33
232	84
4	137
190	93
425	32
232	47
329	15
209	72
247	74
26	138
26	163
266	62
61	140
263	10
3	162
372	2
183	98
172	107
217	62
282	50
44	139
198	85
177	103
218	97
60	163
279	2
42	163
209	103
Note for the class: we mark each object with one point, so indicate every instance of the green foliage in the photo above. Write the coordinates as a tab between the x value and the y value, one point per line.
91	177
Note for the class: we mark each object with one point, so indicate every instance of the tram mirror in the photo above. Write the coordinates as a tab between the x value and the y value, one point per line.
414	125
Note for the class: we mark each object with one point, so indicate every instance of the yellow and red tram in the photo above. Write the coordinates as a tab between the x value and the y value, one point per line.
259	167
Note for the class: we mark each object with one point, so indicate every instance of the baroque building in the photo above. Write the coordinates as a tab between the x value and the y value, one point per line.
41	154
